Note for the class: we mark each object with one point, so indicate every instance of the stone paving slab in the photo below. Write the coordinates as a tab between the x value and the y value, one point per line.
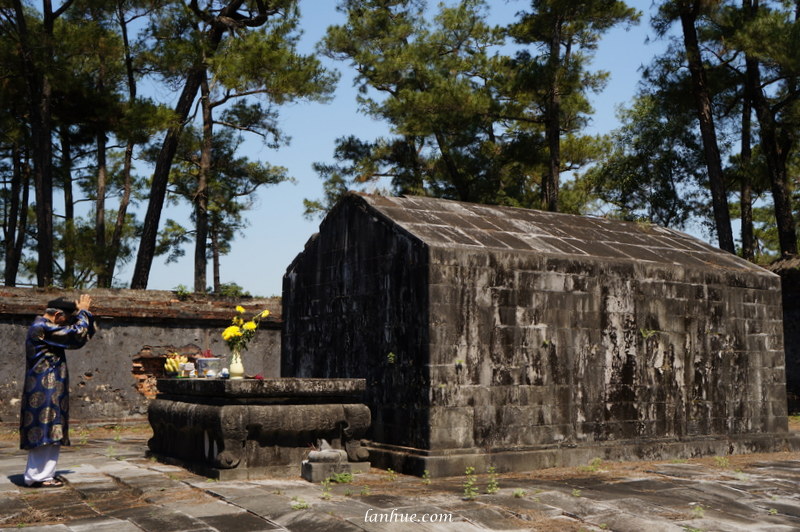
457	526
239	522
383	501
115	500
782	508
271	508
692	471
572	504
160	518
350	509
491	518
59	504
523	505
121	491
46	528
627	522
212	508
102	524
302	521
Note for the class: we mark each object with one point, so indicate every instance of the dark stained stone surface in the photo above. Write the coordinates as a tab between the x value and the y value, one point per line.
252	428
789	270
525	339
286	389
453	224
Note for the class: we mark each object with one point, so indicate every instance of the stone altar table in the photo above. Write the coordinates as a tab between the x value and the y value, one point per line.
250	428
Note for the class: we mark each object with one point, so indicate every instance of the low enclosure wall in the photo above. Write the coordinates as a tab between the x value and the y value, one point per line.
108	378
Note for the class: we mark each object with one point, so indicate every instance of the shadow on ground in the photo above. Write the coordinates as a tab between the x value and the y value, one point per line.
111	486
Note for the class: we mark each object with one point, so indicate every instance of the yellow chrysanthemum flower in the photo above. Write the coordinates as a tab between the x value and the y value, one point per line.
238	321
240	309
264	314
250	326
231	332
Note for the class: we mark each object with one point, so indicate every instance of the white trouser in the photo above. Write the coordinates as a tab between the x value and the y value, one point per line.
42	462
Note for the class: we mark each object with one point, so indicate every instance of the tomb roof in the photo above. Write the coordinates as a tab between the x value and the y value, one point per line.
447	223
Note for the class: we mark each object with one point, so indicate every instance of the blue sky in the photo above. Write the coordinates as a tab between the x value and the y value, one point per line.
278	231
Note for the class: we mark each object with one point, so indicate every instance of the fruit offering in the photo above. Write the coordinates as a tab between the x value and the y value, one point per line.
174	361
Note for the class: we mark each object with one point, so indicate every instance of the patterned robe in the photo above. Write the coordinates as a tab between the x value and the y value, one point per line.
44	417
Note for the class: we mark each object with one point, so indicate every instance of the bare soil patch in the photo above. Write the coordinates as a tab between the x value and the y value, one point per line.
379	482
79	433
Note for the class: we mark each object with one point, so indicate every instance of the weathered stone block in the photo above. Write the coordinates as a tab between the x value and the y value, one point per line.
320	471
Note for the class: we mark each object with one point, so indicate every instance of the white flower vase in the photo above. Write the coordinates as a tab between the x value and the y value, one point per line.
236	368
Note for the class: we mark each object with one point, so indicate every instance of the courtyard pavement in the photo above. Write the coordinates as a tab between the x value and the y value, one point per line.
112	486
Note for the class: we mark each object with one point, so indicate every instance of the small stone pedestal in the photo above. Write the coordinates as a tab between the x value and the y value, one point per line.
249	428
319	471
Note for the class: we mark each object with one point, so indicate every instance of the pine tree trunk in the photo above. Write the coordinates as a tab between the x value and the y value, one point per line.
746	200
119	225
215	259
11	216
43	182
452	168
551	179
16	217
158	187
201	194
775	156
68	275
116	240
22	226
40	99
702	95
103	279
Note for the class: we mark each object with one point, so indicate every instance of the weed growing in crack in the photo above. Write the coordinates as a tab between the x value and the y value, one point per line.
470	489
493	485
426	477
593	467
722	461
698	512
326	489
299	504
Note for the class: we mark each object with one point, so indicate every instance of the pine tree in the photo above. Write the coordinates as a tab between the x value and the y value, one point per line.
566	32
213	23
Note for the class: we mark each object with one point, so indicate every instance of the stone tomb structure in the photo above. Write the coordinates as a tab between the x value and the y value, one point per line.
520	339
789	271
251	428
